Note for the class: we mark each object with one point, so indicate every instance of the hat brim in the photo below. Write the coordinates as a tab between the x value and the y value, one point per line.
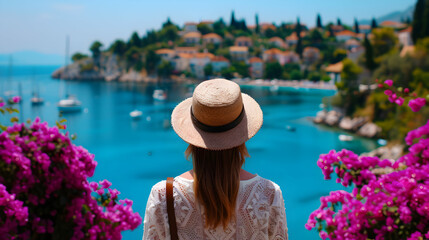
246	129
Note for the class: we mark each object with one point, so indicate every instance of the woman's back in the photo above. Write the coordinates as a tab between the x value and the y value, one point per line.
260	212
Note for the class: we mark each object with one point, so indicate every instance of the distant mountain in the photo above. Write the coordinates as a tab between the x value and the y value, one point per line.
397	16
31	58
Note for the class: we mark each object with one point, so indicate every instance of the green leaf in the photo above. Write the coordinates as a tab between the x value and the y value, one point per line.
2	110
73	137
14	119
63	120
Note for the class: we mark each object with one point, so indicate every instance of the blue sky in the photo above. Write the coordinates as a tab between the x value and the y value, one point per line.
42	25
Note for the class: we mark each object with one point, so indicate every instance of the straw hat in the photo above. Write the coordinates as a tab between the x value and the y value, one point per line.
218	116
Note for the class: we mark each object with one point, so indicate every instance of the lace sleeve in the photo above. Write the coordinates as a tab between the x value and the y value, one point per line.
156	217
277	220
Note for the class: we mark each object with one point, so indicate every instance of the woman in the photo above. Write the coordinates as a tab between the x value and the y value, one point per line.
217	199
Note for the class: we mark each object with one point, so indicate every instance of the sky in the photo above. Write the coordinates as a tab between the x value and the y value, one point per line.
42	25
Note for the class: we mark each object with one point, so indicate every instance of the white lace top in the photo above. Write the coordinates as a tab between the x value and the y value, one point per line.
260	213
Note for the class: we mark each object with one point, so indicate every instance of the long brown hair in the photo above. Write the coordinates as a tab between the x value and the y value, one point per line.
216	181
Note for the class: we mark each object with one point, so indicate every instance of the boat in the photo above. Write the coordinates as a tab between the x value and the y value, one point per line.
345	138
69	104
136	114
36	100
382	142
159	95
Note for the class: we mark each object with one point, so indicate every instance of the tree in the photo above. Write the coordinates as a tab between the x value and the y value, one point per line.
374	23
339	55
350	75
425	30
78	56
356	26
233	21
151	61
219	27
169	33
369	55
96	52
208	70
418	20
150	38
204	28
339	22
133	56
96	49
256	23
119	48
299	47
384	40
319	21
167	23
134	41
165	69
241	68
273	70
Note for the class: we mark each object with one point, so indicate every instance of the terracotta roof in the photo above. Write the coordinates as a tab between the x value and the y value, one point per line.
407	50
392	24
238	49
255	60
185	55
337	27
220	59
206	22
275	39
361	35
335	68
265	26
203	55
248	39
408	29
352	42
212	35
292	37
164	51
346	33
185	48
192	35
308	49
364	27
273	51
190	23
251	26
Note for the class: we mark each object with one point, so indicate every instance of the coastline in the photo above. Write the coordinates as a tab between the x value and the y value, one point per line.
274	84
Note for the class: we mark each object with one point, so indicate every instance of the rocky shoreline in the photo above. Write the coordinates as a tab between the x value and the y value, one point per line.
358	125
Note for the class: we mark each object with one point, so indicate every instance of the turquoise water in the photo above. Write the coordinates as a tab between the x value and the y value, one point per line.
134	155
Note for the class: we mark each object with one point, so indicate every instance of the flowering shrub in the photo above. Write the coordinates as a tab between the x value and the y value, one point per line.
44	191
388	204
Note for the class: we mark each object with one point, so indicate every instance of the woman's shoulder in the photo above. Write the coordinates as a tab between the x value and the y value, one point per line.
266	187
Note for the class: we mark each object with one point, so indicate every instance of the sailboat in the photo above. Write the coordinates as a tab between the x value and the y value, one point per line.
135	114
70	103
36	99
159	95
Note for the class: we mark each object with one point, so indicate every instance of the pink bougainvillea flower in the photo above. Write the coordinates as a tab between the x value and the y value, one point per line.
417	104
16	99
389	82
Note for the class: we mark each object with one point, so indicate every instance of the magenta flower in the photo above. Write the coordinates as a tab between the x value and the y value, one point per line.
399	101
388	92
389	82
16	99
2	104
417	104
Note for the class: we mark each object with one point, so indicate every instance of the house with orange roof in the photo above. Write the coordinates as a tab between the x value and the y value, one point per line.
239	53
219	63
208	23
334	72
365	29
404	36
181	61
310	55
273	55
190	27
344	35
291	57
292	39
256	67
188	50
393	24
265	26
197	63
337	28
212	38
192	38
277	42
243	42
165	53
352	43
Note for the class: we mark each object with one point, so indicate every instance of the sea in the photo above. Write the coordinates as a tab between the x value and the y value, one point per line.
134	154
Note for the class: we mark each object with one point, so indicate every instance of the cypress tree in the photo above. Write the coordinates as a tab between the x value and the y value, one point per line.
356	26
256	23
374	23
319	21
233	21
369	55
339	23
425	30
298	33
418	20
